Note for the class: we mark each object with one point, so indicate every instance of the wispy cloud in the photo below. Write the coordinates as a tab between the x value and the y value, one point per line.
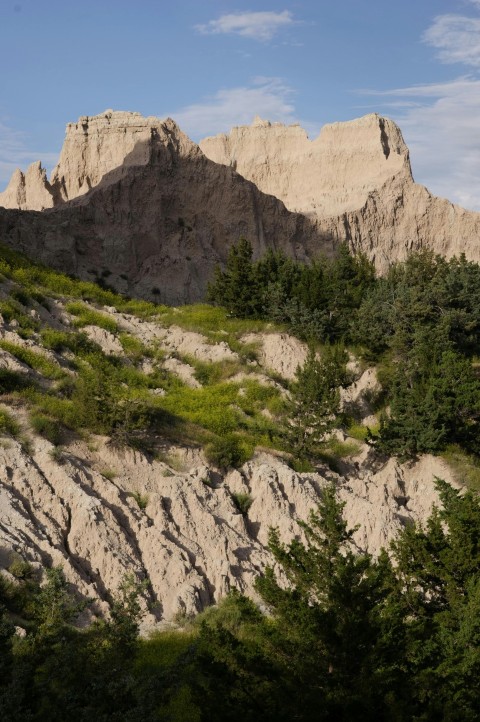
442	133
441	121
457	39
14	153
256	25
270	98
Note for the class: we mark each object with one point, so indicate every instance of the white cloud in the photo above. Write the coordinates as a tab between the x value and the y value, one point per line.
257	25
441	121
442	132
14	153
270	98
457	38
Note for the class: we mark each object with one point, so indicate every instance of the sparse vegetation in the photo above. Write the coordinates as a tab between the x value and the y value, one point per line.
141	499
243	502
8	425
47	427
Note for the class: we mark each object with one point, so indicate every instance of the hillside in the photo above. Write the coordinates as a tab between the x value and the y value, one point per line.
134	197
355	182
113	415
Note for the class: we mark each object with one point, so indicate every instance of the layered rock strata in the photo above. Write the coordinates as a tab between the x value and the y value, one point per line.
136	200
354	181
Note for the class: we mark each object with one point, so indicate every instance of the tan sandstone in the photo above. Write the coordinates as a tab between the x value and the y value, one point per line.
355	180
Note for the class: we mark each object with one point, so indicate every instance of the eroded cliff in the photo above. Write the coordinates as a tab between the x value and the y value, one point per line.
355	181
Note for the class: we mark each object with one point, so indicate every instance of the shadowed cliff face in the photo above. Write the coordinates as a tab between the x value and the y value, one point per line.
355	181
136	198
161	220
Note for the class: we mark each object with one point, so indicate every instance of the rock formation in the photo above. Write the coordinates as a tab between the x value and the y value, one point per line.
355	181
136	198
28	191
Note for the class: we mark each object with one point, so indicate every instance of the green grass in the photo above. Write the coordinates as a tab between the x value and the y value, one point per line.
86	316
47	427
134	348
141	499
243	502
25	272
360	432
75	341
8	425
11	310
162	653
217	325
34	360
465	467
224	408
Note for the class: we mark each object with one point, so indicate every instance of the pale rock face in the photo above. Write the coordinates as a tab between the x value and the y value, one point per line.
355	181
137	197
324	177
95	146
29	191
279	352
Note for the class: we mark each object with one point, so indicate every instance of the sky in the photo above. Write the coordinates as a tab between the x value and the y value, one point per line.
213	64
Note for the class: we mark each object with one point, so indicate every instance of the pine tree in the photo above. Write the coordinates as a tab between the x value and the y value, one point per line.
315	399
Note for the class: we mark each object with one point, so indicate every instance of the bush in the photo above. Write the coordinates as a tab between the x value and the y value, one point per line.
8	425
35	360
86	316
141	499
11	381
243	502
46	427
226	451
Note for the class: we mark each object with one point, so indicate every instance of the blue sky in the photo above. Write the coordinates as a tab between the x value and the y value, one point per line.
211	64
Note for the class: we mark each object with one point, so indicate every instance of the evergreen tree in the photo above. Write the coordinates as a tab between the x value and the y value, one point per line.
236	288
315	399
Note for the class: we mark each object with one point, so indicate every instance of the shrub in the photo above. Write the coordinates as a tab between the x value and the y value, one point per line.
77	343
46	427
35	360
226	451
243	502
109	474
11	381
141	499
56	454
8	425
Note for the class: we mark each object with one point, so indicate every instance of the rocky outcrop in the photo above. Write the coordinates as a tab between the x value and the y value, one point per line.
325	177
28	191
103	514
355	181
137	199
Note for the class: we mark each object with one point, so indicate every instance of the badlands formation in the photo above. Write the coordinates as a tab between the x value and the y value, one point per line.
102	512
137	198
132	199
355	182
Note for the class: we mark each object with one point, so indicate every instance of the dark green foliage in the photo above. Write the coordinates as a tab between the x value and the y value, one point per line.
8	425
11	381
432	407
236	288
243	502
46	427
354	638
422	321
315	398
226	451
316	300
349	638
